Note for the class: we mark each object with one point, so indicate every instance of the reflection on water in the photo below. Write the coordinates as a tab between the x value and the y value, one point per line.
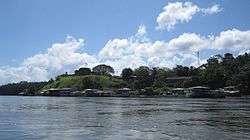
123	118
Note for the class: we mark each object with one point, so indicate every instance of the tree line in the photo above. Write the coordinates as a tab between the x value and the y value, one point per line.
23	86
219	71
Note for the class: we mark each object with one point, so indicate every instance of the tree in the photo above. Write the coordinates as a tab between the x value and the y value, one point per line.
16	88
62	75
243	79
230	68
228	57
127	74
89	82
214	74
181	71
193	71
51	80
142	77
160	77
216	59
83	71
103	70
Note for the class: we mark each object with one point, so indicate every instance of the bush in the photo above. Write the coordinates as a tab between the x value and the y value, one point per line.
149	91
161	91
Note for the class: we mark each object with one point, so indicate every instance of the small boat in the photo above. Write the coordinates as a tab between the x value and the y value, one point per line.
56	92
204	92
91	93
22	93
198	92
178	92
231	91
123	92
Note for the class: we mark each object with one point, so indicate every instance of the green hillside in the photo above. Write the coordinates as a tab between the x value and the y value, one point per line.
88	81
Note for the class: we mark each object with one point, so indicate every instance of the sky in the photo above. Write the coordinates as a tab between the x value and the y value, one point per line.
43	38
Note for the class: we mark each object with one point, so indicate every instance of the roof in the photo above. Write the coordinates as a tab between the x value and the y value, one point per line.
59	89
91	89
124	89
199	87
230	87
179	78
178	89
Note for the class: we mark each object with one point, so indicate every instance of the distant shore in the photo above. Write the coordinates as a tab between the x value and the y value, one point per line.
221	76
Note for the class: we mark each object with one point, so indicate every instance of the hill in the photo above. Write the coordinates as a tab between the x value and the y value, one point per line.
87	81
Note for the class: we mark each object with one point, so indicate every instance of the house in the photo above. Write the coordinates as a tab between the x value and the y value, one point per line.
92	92
122	92
57	92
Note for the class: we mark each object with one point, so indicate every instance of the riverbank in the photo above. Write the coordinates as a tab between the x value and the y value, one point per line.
192	92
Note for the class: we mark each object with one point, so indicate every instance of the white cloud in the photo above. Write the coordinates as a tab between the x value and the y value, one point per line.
180	50
142	30
174	13
232	39
133	52
212	10
60	58
189	42
179	12
243	52
114	49
120	53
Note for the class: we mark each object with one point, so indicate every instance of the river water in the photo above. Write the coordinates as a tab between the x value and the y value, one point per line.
92	118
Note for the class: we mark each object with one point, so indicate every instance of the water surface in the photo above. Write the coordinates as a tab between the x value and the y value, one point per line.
92	118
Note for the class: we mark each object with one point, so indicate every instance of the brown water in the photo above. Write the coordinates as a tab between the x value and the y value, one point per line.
123	118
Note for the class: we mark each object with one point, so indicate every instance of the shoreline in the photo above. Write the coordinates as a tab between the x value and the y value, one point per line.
176	97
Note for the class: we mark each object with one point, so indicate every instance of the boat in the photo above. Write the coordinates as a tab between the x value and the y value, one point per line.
92	92
198	92
231	91
178	92
57	92
123	92
204	92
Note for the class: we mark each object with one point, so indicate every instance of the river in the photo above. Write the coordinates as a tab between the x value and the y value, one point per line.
91	118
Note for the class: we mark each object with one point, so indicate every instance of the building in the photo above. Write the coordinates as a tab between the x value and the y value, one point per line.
179	92
57	92
122	92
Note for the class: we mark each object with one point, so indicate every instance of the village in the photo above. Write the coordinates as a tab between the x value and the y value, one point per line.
192	92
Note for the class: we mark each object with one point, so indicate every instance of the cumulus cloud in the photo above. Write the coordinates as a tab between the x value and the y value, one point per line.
180	50
234	40
61	55
189	42
179	12
58	59
133	51
174	13
114	49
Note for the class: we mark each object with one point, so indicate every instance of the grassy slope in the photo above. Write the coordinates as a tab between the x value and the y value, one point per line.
76	82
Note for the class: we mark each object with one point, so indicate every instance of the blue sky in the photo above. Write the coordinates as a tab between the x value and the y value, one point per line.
29	28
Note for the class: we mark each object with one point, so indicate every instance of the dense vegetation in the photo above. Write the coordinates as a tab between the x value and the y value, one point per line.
86	82
16	88
218	72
